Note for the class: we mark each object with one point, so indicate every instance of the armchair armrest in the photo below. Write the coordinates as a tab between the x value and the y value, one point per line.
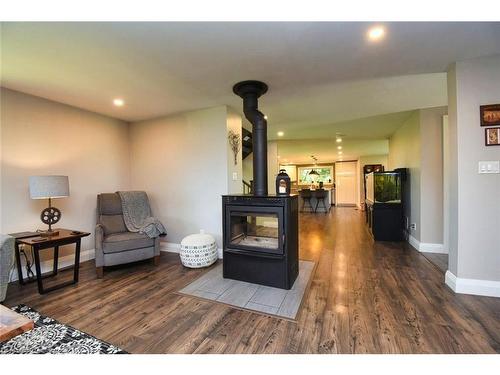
99	236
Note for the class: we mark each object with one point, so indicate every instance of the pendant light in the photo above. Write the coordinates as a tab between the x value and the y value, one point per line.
313	171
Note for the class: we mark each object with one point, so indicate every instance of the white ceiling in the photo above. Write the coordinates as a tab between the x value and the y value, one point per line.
360	137
318	73
325	150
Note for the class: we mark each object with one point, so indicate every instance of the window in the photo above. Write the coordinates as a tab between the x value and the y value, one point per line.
325	175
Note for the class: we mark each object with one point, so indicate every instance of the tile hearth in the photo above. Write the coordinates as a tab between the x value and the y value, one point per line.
258	298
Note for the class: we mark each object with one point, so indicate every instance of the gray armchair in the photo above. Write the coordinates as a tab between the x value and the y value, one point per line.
114	244
6	263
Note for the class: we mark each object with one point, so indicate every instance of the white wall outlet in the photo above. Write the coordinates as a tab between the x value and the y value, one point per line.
235	176
489	167
413	226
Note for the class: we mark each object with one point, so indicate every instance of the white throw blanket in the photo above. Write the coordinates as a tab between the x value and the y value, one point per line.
137	214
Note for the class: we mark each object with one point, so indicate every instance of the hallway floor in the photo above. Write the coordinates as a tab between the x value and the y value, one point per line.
365	297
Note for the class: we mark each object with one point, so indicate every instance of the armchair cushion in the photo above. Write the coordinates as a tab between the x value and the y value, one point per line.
109	204
113	224
126	241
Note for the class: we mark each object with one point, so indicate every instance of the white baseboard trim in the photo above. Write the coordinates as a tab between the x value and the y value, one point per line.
172	247
476	287
414	242
47	265
423	247
432	248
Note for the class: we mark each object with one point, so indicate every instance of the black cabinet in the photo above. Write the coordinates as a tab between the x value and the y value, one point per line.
385	221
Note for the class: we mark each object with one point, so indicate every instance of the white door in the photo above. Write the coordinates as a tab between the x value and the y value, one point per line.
345	183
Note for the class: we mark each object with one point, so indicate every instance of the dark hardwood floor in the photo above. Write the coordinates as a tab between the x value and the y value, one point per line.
365	297
439	260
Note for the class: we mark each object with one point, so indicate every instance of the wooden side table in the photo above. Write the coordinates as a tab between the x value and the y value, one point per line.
65	237
12	324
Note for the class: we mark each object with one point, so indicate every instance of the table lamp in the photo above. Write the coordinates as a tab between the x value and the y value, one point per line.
48	187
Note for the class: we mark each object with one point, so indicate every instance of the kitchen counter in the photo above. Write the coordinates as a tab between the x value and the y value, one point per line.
329	200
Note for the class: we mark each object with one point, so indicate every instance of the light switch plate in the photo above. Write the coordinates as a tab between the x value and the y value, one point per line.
235	176
489	167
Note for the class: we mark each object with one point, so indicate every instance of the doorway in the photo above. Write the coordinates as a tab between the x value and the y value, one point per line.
346	183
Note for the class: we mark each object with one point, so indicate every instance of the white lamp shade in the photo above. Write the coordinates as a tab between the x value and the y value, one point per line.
43	187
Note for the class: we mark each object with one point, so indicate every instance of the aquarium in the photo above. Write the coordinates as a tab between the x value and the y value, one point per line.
383	187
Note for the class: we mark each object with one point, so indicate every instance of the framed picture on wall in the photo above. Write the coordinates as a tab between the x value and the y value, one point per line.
492	136
490	114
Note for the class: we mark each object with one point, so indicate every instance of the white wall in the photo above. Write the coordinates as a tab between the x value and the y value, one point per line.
43	137
234	186
1	152
474	198
418	145
404	152
431	175
181	161
452	172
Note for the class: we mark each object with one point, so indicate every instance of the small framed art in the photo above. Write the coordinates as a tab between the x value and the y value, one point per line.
490	114
492	136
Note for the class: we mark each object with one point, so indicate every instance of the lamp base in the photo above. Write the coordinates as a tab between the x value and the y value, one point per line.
49	233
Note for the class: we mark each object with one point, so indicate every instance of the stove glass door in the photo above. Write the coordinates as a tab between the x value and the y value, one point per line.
257	231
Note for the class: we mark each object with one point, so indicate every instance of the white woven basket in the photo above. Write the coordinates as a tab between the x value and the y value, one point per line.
198	250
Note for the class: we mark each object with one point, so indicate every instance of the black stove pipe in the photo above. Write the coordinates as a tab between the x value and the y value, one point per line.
250	91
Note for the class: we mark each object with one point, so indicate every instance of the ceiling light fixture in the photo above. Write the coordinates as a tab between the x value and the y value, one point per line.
376	33
313	172
118	102
265	117
339	147
280	134
339	140
340	152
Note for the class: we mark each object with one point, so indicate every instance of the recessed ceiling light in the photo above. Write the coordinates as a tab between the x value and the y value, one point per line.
265	117
340	152
280	134
118	102
339	140
339	147
376	33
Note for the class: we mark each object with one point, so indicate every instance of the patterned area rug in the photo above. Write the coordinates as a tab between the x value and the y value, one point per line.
51	337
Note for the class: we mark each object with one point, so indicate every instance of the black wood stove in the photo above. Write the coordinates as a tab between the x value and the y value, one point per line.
261	239
260	231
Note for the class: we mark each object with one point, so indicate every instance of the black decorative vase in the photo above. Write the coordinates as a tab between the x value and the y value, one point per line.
282	183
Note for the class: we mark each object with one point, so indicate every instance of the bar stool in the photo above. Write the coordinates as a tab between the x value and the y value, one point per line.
320	195
306	195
